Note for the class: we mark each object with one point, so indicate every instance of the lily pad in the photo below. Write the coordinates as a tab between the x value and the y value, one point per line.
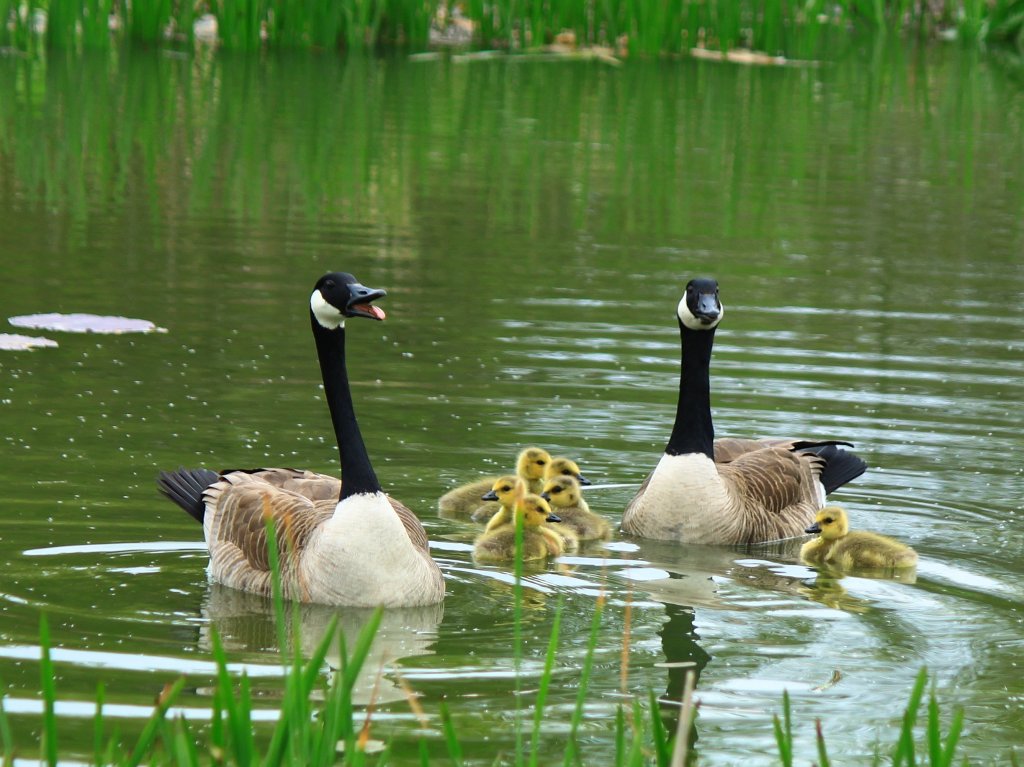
85	323
14	342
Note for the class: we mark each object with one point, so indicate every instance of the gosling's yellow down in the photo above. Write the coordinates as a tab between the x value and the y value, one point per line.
836	545
498	544
557	467
465	499
563	495
505	491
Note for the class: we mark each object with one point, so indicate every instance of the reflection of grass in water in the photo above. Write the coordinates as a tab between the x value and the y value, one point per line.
305	734
643	27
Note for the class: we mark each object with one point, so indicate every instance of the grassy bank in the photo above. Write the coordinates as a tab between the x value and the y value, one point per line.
621	27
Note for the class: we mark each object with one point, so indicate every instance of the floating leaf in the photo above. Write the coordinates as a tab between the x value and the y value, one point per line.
14	342
85	323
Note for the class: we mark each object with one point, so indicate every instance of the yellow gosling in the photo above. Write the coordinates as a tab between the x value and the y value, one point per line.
566	500
840	548
464	500
565	467
498	543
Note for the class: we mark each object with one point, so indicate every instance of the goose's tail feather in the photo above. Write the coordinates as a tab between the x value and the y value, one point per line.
185	487
841	466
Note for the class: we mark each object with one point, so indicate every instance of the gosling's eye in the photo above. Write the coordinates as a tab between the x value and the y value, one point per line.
541	461
566	472
505	488
556	491
829	520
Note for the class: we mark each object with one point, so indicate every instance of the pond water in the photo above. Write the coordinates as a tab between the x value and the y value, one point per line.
534	224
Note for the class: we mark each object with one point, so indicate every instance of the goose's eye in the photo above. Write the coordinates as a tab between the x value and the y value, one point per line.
505	488
556	491
329	284
566	472
541	461
829	520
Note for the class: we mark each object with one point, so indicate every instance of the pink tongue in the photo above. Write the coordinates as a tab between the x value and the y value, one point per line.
376	311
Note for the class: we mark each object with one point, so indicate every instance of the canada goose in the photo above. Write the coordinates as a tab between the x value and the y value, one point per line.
556	467
837	546
760	490
357	548
498	543
563	495
465	499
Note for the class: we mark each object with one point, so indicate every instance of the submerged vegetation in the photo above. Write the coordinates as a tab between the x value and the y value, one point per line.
614	27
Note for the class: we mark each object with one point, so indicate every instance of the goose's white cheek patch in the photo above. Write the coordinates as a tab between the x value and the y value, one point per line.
326	314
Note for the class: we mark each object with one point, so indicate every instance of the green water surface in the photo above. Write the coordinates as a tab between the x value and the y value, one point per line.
534	224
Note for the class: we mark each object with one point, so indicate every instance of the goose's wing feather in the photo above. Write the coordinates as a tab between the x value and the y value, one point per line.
774	477
325	489
237	507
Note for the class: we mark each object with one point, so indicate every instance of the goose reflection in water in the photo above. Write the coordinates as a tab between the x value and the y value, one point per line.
245	624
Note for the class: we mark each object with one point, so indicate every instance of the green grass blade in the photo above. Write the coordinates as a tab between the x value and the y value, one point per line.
545	681
662	747
784	732
933	732
6	739
955	728
48	745
581	695
146	738
450	738
97	726
904	752
823	760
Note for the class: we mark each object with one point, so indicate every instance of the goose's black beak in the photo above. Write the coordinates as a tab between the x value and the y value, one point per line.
553	518
708	308
490	495
815	528
583	480
546	496
360	304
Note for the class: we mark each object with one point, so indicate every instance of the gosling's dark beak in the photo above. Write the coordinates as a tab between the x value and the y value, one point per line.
361	302
815	528
583	480
554	518
490	495
546	496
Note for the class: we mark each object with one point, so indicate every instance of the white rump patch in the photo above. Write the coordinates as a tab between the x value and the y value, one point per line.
326	314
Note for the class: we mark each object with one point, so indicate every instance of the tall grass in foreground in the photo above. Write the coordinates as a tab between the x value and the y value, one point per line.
308	733
633	27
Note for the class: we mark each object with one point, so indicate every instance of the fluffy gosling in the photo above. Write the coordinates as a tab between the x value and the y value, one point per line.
563	493
845	550
465	499
557	467
498	543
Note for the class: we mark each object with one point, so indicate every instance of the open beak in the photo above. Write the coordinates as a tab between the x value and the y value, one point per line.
361	302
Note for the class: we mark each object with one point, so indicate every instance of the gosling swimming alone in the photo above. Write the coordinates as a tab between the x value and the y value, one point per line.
838	546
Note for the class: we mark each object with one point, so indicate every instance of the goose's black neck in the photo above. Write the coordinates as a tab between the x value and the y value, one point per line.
356	472
693	431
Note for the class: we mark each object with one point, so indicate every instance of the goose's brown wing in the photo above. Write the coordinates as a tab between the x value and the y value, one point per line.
238	506
413	526
777	490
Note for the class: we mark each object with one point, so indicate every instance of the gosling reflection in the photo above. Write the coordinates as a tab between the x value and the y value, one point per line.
245	624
